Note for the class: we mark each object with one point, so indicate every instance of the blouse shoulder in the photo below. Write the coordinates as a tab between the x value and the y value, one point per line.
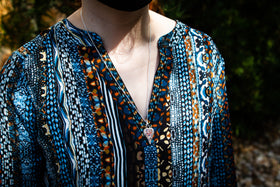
183	31
21	70
25	53
203	44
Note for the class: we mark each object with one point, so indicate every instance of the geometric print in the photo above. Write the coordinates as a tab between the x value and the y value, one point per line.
62	115
90	56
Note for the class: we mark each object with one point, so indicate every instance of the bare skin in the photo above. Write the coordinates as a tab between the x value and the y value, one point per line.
126	37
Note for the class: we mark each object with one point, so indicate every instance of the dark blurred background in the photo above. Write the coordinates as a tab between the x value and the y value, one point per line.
247	33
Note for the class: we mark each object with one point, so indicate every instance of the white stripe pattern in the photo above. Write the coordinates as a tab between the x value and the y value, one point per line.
116	133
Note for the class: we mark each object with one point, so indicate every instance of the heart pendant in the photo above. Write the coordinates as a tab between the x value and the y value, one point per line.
149	133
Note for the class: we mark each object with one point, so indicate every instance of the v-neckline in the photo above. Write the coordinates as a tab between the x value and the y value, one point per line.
112	71
163	43
123	87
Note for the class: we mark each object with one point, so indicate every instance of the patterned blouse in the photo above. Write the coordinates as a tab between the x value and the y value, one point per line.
67	118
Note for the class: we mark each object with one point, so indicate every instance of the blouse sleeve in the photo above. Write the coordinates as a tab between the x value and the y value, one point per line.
20	159
221	151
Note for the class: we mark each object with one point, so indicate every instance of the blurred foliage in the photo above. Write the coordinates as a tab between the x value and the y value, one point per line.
27	18
246	32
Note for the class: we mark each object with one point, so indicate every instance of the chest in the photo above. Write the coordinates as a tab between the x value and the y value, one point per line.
137	71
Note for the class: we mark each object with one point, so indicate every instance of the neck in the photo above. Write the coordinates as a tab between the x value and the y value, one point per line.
117	28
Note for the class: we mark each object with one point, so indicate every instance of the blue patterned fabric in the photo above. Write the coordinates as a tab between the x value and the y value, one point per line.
64	120
151	172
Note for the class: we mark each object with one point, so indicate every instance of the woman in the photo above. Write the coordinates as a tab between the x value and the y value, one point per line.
116	95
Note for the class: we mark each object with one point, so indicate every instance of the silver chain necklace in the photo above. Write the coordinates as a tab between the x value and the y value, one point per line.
148	131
